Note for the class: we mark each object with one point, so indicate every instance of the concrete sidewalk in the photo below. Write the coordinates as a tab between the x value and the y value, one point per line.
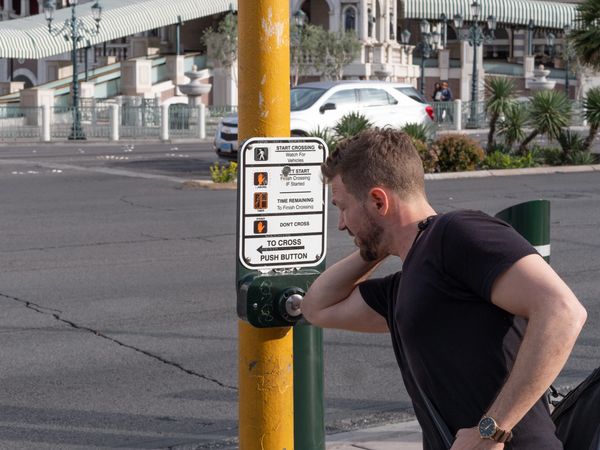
397	436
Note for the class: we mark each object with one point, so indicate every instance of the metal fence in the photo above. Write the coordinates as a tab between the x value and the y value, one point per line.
474	115
140	122
20	123
184	121
143	119
214	114
95	121
444	115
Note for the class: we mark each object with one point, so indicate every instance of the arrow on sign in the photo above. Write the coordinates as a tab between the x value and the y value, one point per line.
261	249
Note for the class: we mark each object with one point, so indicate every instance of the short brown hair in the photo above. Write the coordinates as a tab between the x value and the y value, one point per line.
377	157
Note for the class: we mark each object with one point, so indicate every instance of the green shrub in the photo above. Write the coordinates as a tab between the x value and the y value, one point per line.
429	156
570	142
458	153
501	160
549	156
222	173
326	135
581	158
419	131
350	125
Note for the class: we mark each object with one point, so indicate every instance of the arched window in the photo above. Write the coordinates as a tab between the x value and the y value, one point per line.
350	19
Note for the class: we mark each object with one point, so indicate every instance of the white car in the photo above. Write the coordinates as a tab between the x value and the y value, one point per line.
323	104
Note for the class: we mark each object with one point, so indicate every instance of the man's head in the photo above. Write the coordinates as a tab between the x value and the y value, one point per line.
445	85
377	158
364	171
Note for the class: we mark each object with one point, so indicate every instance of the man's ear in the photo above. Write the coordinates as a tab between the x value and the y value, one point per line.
380	200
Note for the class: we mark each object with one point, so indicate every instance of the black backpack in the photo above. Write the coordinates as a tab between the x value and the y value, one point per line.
577	415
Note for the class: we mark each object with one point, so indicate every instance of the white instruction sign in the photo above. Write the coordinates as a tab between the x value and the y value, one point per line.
283	203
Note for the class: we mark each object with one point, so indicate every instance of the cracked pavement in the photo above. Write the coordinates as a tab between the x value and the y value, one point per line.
118	325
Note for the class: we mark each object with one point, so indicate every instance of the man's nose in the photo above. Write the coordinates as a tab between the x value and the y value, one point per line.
341	223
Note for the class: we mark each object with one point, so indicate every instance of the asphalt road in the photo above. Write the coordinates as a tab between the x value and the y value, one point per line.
117	289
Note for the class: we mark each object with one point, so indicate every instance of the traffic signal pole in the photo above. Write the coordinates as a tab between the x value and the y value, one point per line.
266	419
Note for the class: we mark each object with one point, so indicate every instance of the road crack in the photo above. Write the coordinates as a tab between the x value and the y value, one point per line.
56	314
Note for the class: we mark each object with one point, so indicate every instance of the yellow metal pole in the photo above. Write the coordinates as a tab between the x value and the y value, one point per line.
266	411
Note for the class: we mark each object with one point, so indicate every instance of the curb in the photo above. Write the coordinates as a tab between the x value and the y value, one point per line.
512	172
396	436
208	184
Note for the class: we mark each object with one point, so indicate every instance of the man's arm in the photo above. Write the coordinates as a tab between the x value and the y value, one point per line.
334	300
531	289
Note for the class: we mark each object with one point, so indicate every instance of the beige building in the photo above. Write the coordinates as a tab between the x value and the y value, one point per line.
519	43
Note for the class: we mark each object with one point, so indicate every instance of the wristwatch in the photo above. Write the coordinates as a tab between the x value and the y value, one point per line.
488	429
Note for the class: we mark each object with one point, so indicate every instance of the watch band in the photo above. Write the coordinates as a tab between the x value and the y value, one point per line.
502	436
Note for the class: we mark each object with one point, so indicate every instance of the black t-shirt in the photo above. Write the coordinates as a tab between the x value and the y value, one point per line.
448	334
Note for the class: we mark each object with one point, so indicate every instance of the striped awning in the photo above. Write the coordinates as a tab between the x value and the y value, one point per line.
545	14
28	38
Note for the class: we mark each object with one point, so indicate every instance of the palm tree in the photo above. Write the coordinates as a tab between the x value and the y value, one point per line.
501	94
512	126
549	113
585	37
591	111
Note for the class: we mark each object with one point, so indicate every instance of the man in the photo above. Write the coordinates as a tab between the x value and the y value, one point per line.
446	92
480	323
446	96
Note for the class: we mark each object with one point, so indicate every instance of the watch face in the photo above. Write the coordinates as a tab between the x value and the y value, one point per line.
487	427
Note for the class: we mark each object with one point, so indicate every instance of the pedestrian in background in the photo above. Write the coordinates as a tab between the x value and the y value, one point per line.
446	95
437	92
480	324
446	92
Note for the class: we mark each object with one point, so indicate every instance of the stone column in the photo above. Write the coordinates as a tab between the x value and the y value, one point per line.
444	63
136	77
519	45
8	87
175	68
528	68
35	98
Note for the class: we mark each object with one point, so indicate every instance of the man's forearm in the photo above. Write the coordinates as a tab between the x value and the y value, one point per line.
546	346
338	282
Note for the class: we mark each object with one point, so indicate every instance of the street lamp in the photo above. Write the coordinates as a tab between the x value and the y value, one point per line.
566	54
444	38
75	30
429	44
530	28
299	22
550	42
476	36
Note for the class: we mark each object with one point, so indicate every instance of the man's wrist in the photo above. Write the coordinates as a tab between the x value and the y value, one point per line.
488	429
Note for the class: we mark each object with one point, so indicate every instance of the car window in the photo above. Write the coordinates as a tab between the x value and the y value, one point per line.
375	97
343	99
304	97
412	93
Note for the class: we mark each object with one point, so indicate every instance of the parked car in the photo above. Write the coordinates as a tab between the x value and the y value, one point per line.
323	104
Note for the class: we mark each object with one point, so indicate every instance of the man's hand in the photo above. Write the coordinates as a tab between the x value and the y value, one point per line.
469	439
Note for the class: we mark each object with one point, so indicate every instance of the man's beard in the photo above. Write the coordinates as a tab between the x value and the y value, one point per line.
369	246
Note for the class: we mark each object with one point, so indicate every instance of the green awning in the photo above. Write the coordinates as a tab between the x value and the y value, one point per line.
545	14
28	38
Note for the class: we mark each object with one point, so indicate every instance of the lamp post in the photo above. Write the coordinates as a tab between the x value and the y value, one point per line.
428	44
299	22
530	28
566	55
74	29
444	38
550	42
476	36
